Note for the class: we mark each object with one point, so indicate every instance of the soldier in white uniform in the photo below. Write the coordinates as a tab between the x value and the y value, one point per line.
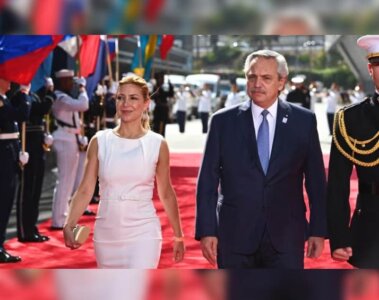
205	106
67	141
234	97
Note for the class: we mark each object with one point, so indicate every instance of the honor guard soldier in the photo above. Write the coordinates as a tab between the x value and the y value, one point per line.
160	96
300	95
91	124
11	112
68	141
37	142
356	144
110	104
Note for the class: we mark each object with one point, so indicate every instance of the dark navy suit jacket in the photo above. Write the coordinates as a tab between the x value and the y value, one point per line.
232	183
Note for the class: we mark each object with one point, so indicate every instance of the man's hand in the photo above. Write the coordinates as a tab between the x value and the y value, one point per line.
209	248
342	254
315	246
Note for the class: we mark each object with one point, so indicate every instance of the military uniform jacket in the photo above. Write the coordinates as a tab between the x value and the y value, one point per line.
65	109
355	143
15	110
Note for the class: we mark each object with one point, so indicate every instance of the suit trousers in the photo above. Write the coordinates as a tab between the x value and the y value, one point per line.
265	257
181	119
67	161
204	116
30	187
330	117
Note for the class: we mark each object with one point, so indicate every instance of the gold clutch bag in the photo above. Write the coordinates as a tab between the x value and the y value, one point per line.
81	233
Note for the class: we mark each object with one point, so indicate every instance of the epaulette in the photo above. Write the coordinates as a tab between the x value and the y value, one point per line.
354	146
354	105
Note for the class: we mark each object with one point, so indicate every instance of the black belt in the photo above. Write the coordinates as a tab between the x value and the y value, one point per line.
368	188
35	128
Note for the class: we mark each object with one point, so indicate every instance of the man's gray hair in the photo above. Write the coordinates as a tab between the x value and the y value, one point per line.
282	63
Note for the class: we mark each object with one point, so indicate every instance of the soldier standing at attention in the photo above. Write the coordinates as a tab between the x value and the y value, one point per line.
67	141
11	112
30	188
356	144
300	95
160	96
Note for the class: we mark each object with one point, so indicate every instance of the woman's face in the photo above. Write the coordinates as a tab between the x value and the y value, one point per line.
130	103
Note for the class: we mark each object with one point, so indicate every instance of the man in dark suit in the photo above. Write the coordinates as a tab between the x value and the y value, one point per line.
355	143
258	154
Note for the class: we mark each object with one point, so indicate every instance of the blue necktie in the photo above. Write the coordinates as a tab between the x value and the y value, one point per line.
263	142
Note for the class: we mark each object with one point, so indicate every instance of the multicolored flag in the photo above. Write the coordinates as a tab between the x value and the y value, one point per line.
21	55
144	54
88	54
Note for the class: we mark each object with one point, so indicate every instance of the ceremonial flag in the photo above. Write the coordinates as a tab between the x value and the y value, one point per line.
166	45
43	71
21	55
88	54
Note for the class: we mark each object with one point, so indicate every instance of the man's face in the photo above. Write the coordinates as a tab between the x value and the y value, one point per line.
5	85
67	83
373	69
263	82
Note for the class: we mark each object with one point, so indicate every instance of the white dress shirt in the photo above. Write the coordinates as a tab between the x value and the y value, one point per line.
331	102
271	118
205	102
233	99
182	98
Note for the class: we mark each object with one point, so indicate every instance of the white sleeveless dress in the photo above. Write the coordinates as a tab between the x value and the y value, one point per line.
127	231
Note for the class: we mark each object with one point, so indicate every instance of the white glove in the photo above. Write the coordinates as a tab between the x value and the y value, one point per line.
100	90
48	139
23	157
81	81
83	140
113	88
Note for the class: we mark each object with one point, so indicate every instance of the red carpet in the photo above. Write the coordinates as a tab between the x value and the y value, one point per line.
184	171
160	284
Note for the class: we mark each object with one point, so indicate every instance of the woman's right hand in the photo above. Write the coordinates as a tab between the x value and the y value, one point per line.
69	239
342	254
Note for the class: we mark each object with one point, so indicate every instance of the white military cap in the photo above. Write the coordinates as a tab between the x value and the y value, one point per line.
371	44
49	81
298	79
64	73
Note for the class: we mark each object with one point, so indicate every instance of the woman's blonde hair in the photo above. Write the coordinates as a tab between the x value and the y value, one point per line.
140	82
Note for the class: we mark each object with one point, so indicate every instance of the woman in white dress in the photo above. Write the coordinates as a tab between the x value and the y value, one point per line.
127	159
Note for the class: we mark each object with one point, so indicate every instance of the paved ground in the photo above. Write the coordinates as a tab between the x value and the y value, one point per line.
191	141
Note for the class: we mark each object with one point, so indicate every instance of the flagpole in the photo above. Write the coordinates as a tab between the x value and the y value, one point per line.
109	64
78	56
117	75
108	59
81	114
139	51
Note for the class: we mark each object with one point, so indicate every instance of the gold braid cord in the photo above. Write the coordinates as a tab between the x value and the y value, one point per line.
351	142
